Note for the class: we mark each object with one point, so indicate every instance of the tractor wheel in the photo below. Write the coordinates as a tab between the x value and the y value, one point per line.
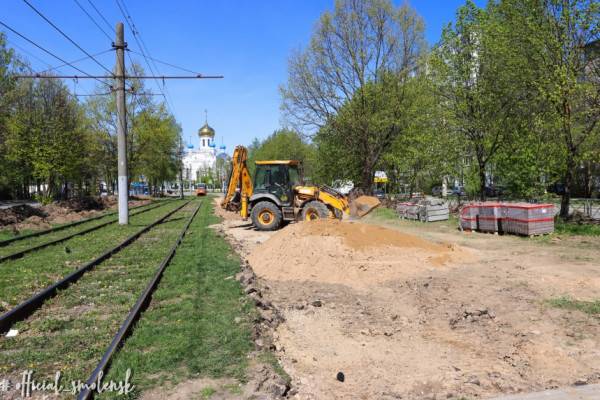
266	216
314	210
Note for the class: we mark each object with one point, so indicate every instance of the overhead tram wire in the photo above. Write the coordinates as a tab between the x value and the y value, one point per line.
112	29
98	25
67	36
24	50
165	87
135	32
167	64
143	48
93	20
49	66
102	16
98	78
73	62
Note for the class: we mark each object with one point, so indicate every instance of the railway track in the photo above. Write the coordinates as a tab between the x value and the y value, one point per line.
6	242
22	252
140	305
35	348
28	306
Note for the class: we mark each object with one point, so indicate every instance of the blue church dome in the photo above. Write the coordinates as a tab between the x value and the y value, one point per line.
222	147
212	145
190	146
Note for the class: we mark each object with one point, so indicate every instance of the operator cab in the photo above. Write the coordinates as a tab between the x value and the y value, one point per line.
278	178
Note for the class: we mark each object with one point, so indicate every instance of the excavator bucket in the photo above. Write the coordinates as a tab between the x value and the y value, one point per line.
363	205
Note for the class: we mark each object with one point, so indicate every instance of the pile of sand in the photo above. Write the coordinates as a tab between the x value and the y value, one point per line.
353	254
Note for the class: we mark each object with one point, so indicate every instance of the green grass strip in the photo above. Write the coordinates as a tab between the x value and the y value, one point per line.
588	307
22	277
60	235
572	229
190	328
71	331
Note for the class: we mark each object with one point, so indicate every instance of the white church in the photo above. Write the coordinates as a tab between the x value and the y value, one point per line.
200	164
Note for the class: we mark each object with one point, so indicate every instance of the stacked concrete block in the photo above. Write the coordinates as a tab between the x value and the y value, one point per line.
412	211
489	217
434	212
528	219
468	217
515	218
401	209
425	210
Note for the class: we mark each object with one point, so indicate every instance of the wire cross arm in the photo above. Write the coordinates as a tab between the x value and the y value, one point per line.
199	76
163	77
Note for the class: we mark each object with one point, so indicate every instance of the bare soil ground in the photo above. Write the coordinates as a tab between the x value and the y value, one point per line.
418	311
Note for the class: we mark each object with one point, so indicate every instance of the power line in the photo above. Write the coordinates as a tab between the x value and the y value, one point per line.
166	63
92	94
75	61
134	31
105	21
102	16
24	50
54	55
93	20
65	35
168	98
125	76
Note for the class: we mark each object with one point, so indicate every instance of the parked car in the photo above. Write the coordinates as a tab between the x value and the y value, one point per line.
201	189
436	191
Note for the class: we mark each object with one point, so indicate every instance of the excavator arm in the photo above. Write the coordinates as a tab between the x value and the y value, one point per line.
239	177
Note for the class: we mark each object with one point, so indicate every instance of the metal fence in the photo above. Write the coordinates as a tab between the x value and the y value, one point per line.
588	207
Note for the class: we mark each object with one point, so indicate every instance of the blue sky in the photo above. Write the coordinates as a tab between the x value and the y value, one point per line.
246	41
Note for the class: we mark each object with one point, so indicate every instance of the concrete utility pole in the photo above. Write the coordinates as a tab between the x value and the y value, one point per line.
123	186
180	167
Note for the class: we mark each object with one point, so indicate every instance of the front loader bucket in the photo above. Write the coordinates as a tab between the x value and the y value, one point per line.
363	205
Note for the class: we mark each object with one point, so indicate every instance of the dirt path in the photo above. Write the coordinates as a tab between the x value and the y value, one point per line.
398	324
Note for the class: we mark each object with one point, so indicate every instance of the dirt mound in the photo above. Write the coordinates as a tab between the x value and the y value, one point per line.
58	214
17	214
353	254
33	223
84	204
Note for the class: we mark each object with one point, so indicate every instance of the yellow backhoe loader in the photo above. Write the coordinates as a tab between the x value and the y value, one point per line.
278	194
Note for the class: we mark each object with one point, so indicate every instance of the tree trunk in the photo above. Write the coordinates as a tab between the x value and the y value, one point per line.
565	201
482	181
366	179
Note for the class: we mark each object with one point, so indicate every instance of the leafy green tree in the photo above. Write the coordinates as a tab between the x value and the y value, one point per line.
159	146
101	112
565	34
351	52
283	144
46	142
7	85
366	127
474	84
426	153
